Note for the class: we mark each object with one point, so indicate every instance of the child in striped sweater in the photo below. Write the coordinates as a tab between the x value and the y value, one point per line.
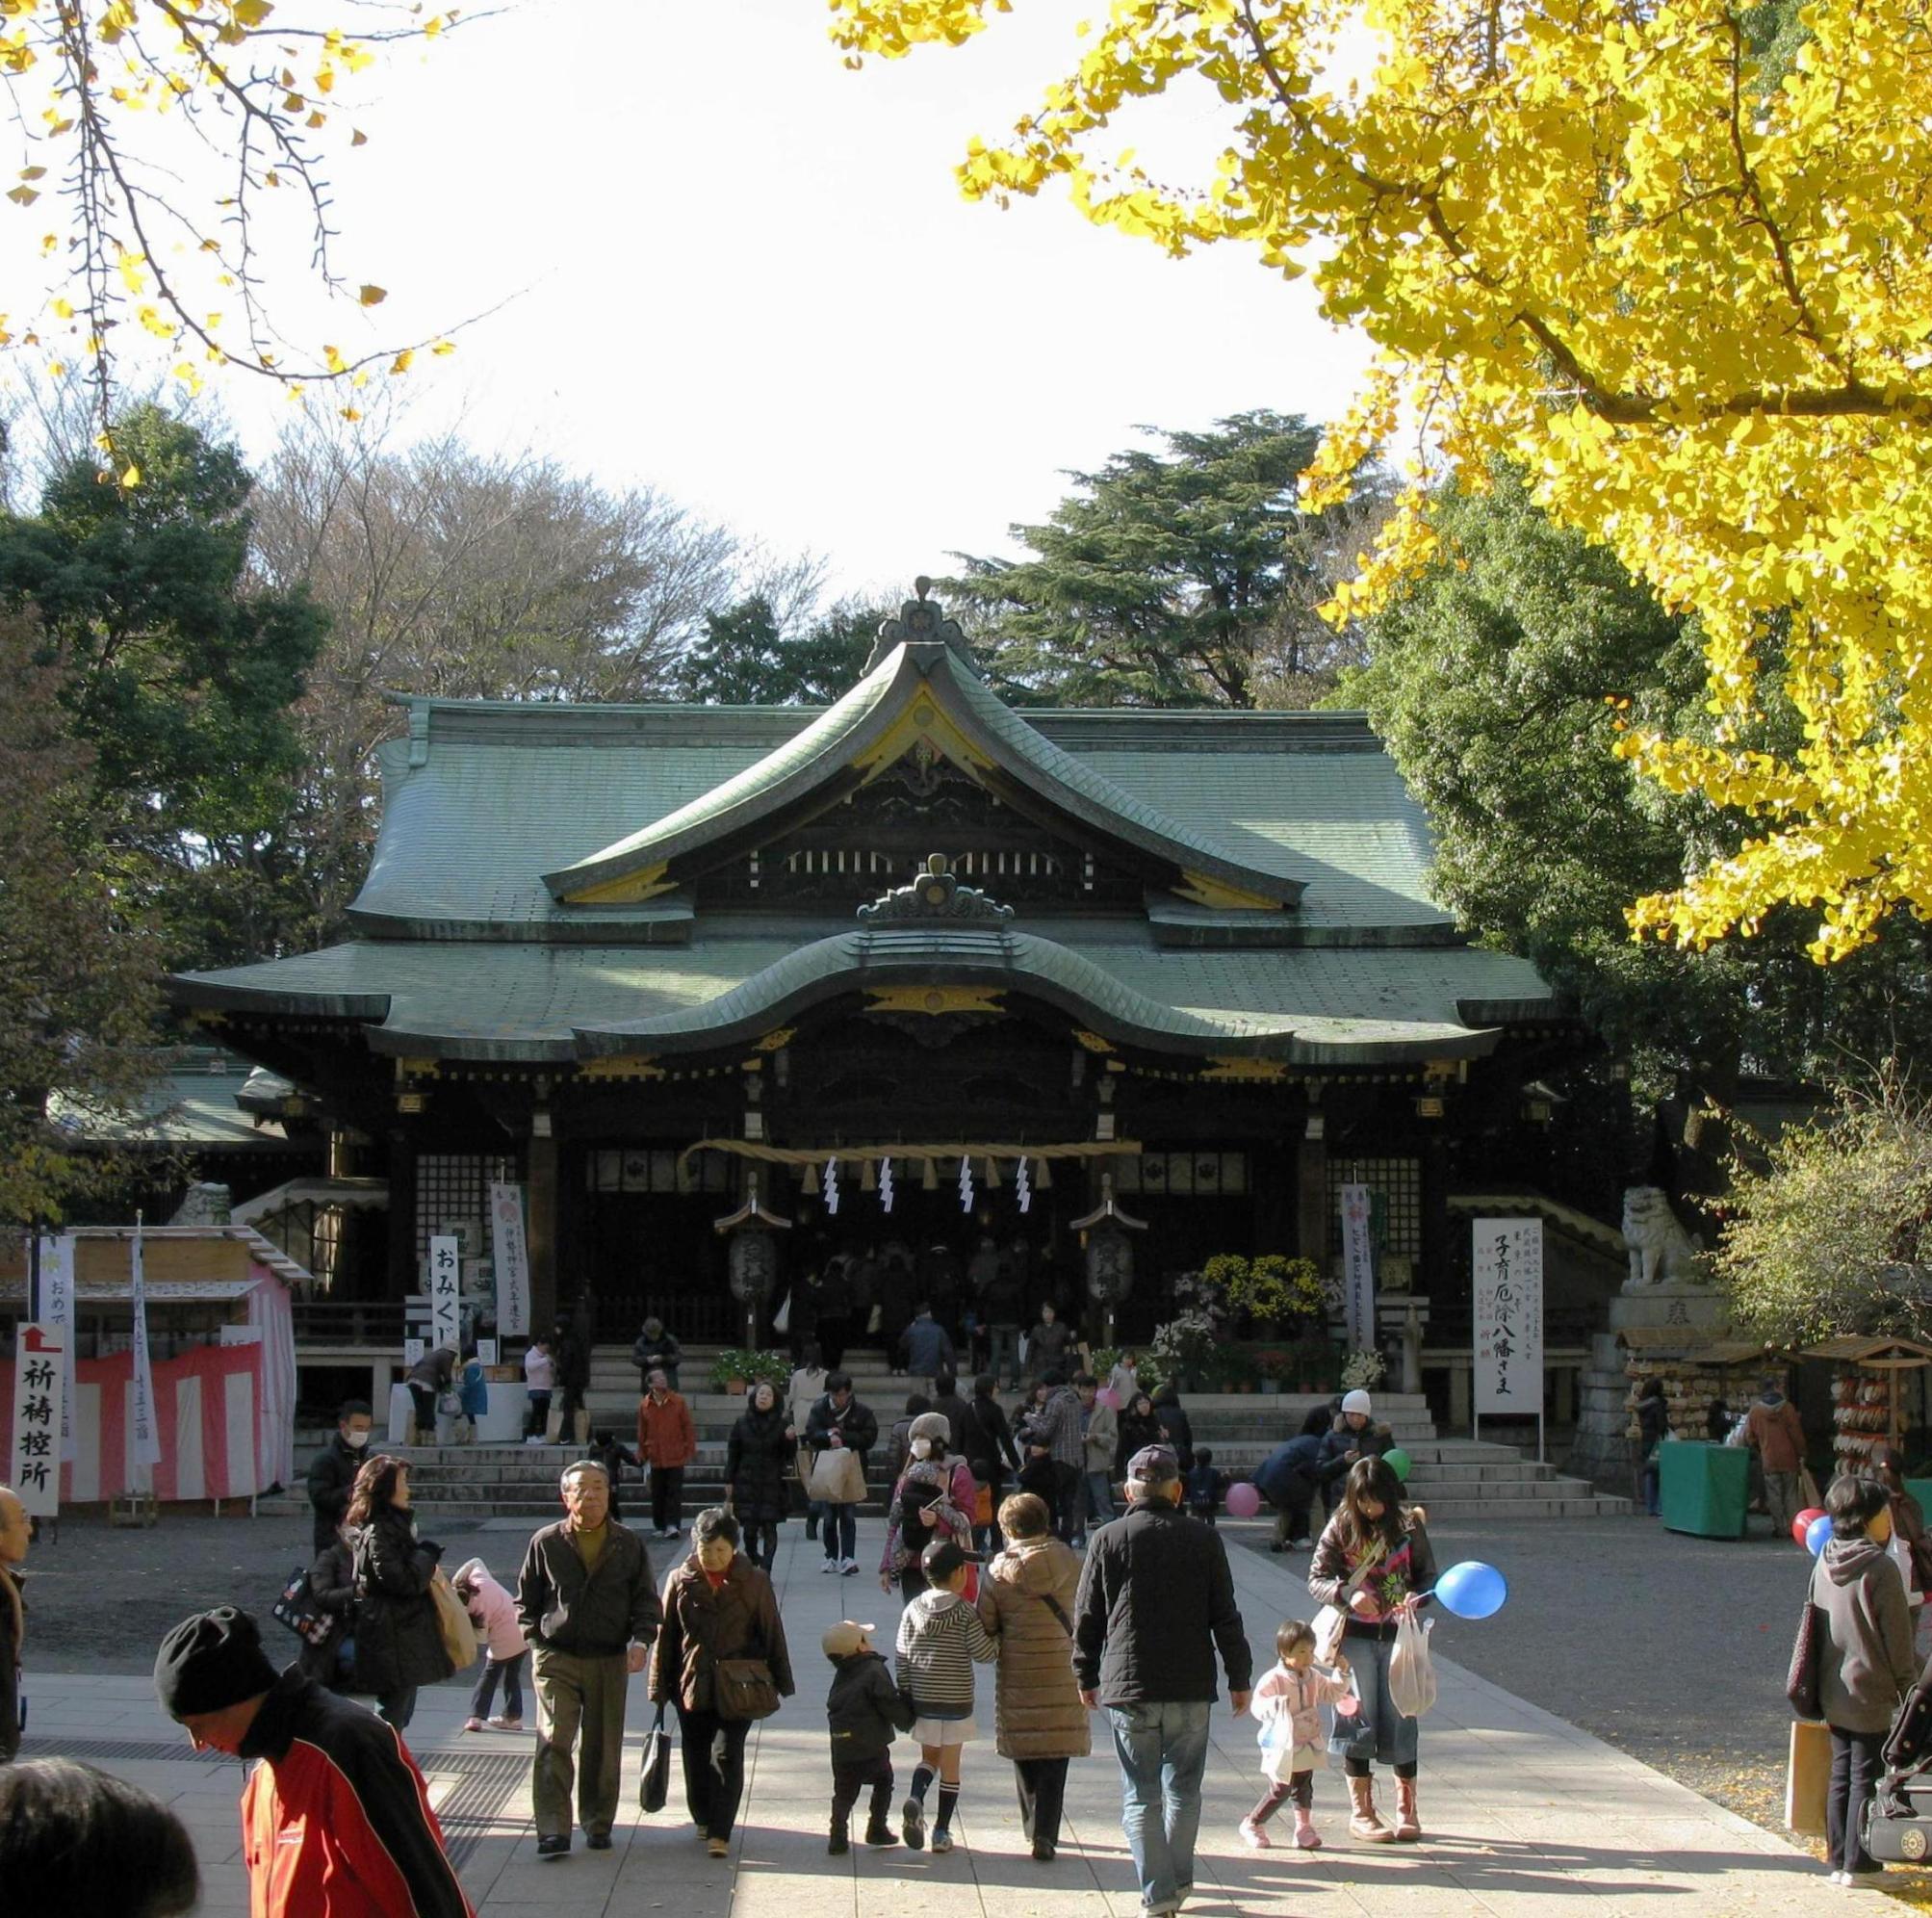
941	1637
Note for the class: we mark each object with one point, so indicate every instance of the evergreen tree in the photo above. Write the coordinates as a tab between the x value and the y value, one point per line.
746	658
1162	580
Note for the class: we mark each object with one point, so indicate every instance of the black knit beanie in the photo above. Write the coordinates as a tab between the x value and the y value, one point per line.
210	1662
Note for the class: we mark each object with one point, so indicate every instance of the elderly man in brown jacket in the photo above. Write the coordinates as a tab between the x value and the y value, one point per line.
1773	1431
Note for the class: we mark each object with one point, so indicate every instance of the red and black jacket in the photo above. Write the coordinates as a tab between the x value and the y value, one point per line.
336	1817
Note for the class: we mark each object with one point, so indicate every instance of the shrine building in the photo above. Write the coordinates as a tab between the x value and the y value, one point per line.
877	958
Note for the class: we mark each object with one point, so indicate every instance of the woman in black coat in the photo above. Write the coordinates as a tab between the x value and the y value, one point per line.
1139	1426
398	1641
332	1593
760	1447
991	1452
1175	1430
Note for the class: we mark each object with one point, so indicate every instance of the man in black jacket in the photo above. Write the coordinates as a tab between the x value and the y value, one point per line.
332	1470
589	1607
1157	1601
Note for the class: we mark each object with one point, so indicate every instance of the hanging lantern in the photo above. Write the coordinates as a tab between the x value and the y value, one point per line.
754	1265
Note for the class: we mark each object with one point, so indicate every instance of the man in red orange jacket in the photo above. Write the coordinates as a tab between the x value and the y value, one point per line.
667	1440
335	1820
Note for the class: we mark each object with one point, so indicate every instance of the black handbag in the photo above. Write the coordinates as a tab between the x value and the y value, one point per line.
296	1608
655	1786
1801	1685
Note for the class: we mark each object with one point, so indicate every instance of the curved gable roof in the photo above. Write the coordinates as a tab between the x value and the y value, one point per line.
921	693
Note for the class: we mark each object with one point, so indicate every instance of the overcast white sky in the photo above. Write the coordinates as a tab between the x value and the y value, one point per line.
743	274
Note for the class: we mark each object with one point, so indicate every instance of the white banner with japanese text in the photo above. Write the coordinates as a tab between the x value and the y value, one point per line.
57	1310
144	1430
1508	1260
1359	1269
510	1247
446	1293
40	1358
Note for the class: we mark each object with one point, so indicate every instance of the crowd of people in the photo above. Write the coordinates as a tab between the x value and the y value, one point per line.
1003	1546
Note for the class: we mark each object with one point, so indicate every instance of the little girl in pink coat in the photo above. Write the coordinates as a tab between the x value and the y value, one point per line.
1288	1703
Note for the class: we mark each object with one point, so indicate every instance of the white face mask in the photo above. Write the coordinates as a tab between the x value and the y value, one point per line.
355	1441
922	1449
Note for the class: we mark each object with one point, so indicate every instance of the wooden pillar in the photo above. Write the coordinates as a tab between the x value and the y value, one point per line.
541	1224
1311	1190
403	1277
1435	1244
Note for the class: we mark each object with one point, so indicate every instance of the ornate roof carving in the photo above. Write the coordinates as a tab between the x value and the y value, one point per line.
921	621
936	894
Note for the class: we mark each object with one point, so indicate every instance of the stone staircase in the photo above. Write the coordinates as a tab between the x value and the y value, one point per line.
1456	1479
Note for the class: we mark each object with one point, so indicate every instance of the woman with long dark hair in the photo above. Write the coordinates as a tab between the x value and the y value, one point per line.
756	1457
398	1641
718	1608
1375	1564
1140	1427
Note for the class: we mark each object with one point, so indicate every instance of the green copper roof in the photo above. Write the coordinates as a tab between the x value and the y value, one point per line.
909	676
522	1001
194	1102
480	800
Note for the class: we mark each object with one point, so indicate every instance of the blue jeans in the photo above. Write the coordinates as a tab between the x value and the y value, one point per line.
1099	1497
1163	1754
1377	1732
1652	1503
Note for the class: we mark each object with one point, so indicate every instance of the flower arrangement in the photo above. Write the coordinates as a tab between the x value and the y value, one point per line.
1271	1287
1183	1348
749	1369
1362	1370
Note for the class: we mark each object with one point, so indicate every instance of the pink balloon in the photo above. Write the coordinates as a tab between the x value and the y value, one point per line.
1243	1501
1108	1397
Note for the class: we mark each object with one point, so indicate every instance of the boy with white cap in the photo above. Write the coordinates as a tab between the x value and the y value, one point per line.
865	1709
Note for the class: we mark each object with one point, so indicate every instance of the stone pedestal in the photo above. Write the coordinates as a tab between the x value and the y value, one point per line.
1601	1450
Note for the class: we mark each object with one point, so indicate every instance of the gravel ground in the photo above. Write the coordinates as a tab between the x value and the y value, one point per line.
99	1598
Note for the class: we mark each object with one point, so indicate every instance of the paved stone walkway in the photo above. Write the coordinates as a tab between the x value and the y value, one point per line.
1525	1812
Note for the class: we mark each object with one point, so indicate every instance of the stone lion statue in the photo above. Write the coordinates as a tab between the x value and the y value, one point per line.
1660	1248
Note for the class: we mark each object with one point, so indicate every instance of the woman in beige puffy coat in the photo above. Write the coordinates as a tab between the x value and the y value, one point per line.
1026	1604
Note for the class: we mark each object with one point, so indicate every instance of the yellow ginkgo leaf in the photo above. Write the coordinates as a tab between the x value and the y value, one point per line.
372	295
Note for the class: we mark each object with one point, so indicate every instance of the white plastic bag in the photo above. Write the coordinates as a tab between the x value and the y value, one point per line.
781	1320
1411	1669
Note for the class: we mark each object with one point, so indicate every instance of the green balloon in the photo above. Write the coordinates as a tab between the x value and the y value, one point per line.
1399	1463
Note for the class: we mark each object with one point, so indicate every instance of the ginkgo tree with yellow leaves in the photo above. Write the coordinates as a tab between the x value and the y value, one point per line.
1681	281
169	150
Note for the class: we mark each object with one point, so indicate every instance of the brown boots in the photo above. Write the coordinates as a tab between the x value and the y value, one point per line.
1409	1825
1363	1825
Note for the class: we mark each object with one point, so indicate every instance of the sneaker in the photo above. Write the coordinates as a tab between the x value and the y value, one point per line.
718	1848
830	1566
943	1840
1300	1545
507	1723
552	1847
1253	1837
848	1567
913	1824
473	1725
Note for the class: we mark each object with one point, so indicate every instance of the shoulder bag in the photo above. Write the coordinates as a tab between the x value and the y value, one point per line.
1801	1683
452	1620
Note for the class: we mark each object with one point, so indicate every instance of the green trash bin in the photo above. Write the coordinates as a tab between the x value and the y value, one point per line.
1705	1489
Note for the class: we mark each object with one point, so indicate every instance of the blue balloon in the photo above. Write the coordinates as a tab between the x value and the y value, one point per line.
1472	1590
1815	1535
